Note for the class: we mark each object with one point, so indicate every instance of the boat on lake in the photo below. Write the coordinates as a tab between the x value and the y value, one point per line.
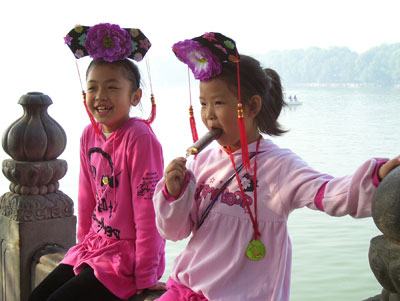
292	101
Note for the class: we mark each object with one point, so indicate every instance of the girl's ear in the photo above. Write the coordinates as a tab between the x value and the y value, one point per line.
254	105
136	96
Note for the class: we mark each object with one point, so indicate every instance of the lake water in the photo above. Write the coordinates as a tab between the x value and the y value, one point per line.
335	130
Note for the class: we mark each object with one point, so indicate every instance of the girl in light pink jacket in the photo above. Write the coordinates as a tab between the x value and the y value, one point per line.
234	201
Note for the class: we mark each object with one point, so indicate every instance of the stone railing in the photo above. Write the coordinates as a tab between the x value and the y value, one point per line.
384	251
34	213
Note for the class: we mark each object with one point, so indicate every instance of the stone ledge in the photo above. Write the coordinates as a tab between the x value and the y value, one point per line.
46	260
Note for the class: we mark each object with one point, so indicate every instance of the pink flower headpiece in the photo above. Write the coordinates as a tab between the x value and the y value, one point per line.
204	55
203	63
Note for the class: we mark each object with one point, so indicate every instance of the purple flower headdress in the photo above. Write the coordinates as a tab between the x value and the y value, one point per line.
205	56
109	42
203	63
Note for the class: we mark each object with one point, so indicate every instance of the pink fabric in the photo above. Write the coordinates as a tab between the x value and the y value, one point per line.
214	260
375	178
117	235
179	292
319	197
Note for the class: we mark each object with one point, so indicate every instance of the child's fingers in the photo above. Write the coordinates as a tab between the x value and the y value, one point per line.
388	166
179	164
175	175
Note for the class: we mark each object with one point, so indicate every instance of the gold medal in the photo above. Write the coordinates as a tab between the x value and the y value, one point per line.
255	250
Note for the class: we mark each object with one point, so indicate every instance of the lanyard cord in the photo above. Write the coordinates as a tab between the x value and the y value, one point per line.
253	218
219	191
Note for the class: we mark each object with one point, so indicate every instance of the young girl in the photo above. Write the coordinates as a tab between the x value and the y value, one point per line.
236	213
119	252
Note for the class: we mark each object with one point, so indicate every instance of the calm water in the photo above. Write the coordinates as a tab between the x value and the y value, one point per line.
335	131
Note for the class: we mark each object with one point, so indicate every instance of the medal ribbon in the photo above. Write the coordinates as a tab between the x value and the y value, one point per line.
217	194
253	218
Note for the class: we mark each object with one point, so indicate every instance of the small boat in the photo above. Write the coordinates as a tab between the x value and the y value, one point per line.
292	101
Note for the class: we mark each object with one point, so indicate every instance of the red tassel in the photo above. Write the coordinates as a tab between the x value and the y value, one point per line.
193	124
153	110
243	138
242	125
94	124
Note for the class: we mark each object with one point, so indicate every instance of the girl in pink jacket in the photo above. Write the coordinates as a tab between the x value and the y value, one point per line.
119	252
234	201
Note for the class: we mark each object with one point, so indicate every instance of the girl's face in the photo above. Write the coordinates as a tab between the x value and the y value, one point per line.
219	110
110	96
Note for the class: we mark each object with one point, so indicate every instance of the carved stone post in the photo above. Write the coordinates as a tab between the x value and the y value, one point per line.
34	213
384	251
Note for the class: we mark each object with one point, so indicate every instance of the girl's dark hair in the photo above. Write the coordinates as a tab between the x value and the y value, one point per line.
254	80
129	67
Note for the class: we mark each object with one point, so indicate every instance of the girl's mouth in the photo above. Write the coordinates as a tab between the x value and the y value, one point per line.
102	109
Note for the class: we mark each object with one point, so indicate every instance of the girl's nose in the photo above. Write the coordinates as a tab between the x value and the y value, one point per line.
210	113
101	94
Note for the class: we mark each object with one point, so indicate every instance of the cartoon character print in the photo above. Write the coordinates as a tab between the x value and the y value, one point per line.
105	185
227	197
247	182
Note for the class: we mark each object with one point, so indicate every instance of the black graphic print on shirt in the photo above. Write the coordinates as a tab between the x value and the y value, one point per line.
147	185
106	183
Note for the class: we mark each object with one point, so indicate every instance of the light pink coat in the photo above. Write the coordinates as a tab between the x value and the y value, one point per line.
214	261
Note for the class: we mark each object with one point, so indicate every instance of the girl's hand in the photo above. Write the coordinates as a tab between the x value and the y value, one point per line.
388	166
174	176
160	286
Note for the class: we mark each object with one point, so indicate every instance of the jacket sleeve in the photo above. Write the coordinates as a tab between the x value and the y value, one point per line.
86	199
145	161
347	195
176	218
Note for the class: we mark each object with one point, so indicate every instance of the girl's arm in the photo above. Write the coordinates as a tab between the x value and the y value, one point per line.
146	166
86	199
175	215
351	194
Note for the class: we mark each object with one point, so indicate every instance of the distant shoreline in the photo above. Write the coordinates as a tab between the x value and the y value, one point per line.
343	85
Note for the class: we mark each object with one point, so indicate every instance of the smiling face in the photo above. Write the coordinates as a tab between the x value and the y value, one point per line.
110	95
219	110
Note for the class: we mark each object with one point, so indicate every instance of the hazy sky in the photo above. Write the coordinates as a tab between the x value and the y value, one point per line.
35	58
32	31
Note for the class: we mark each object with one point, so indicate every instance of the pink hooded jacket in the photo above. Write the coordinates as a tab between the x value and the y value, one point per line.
117	234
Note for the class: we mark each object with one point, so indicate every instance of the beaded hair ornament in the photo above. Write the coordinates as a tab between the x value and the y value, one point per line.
205	56
109	42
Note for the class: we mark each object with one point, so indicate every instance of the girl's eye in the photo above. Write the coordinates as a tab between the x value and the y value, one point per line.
202	104
218	102
91	88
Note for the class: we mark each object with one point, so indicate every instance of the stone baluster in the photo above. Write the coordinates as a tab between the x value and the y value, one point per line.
35	213
384	251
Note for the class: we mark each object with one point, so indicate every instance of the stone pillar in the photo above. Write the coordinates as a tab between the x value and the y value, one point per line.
384	251
35	212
